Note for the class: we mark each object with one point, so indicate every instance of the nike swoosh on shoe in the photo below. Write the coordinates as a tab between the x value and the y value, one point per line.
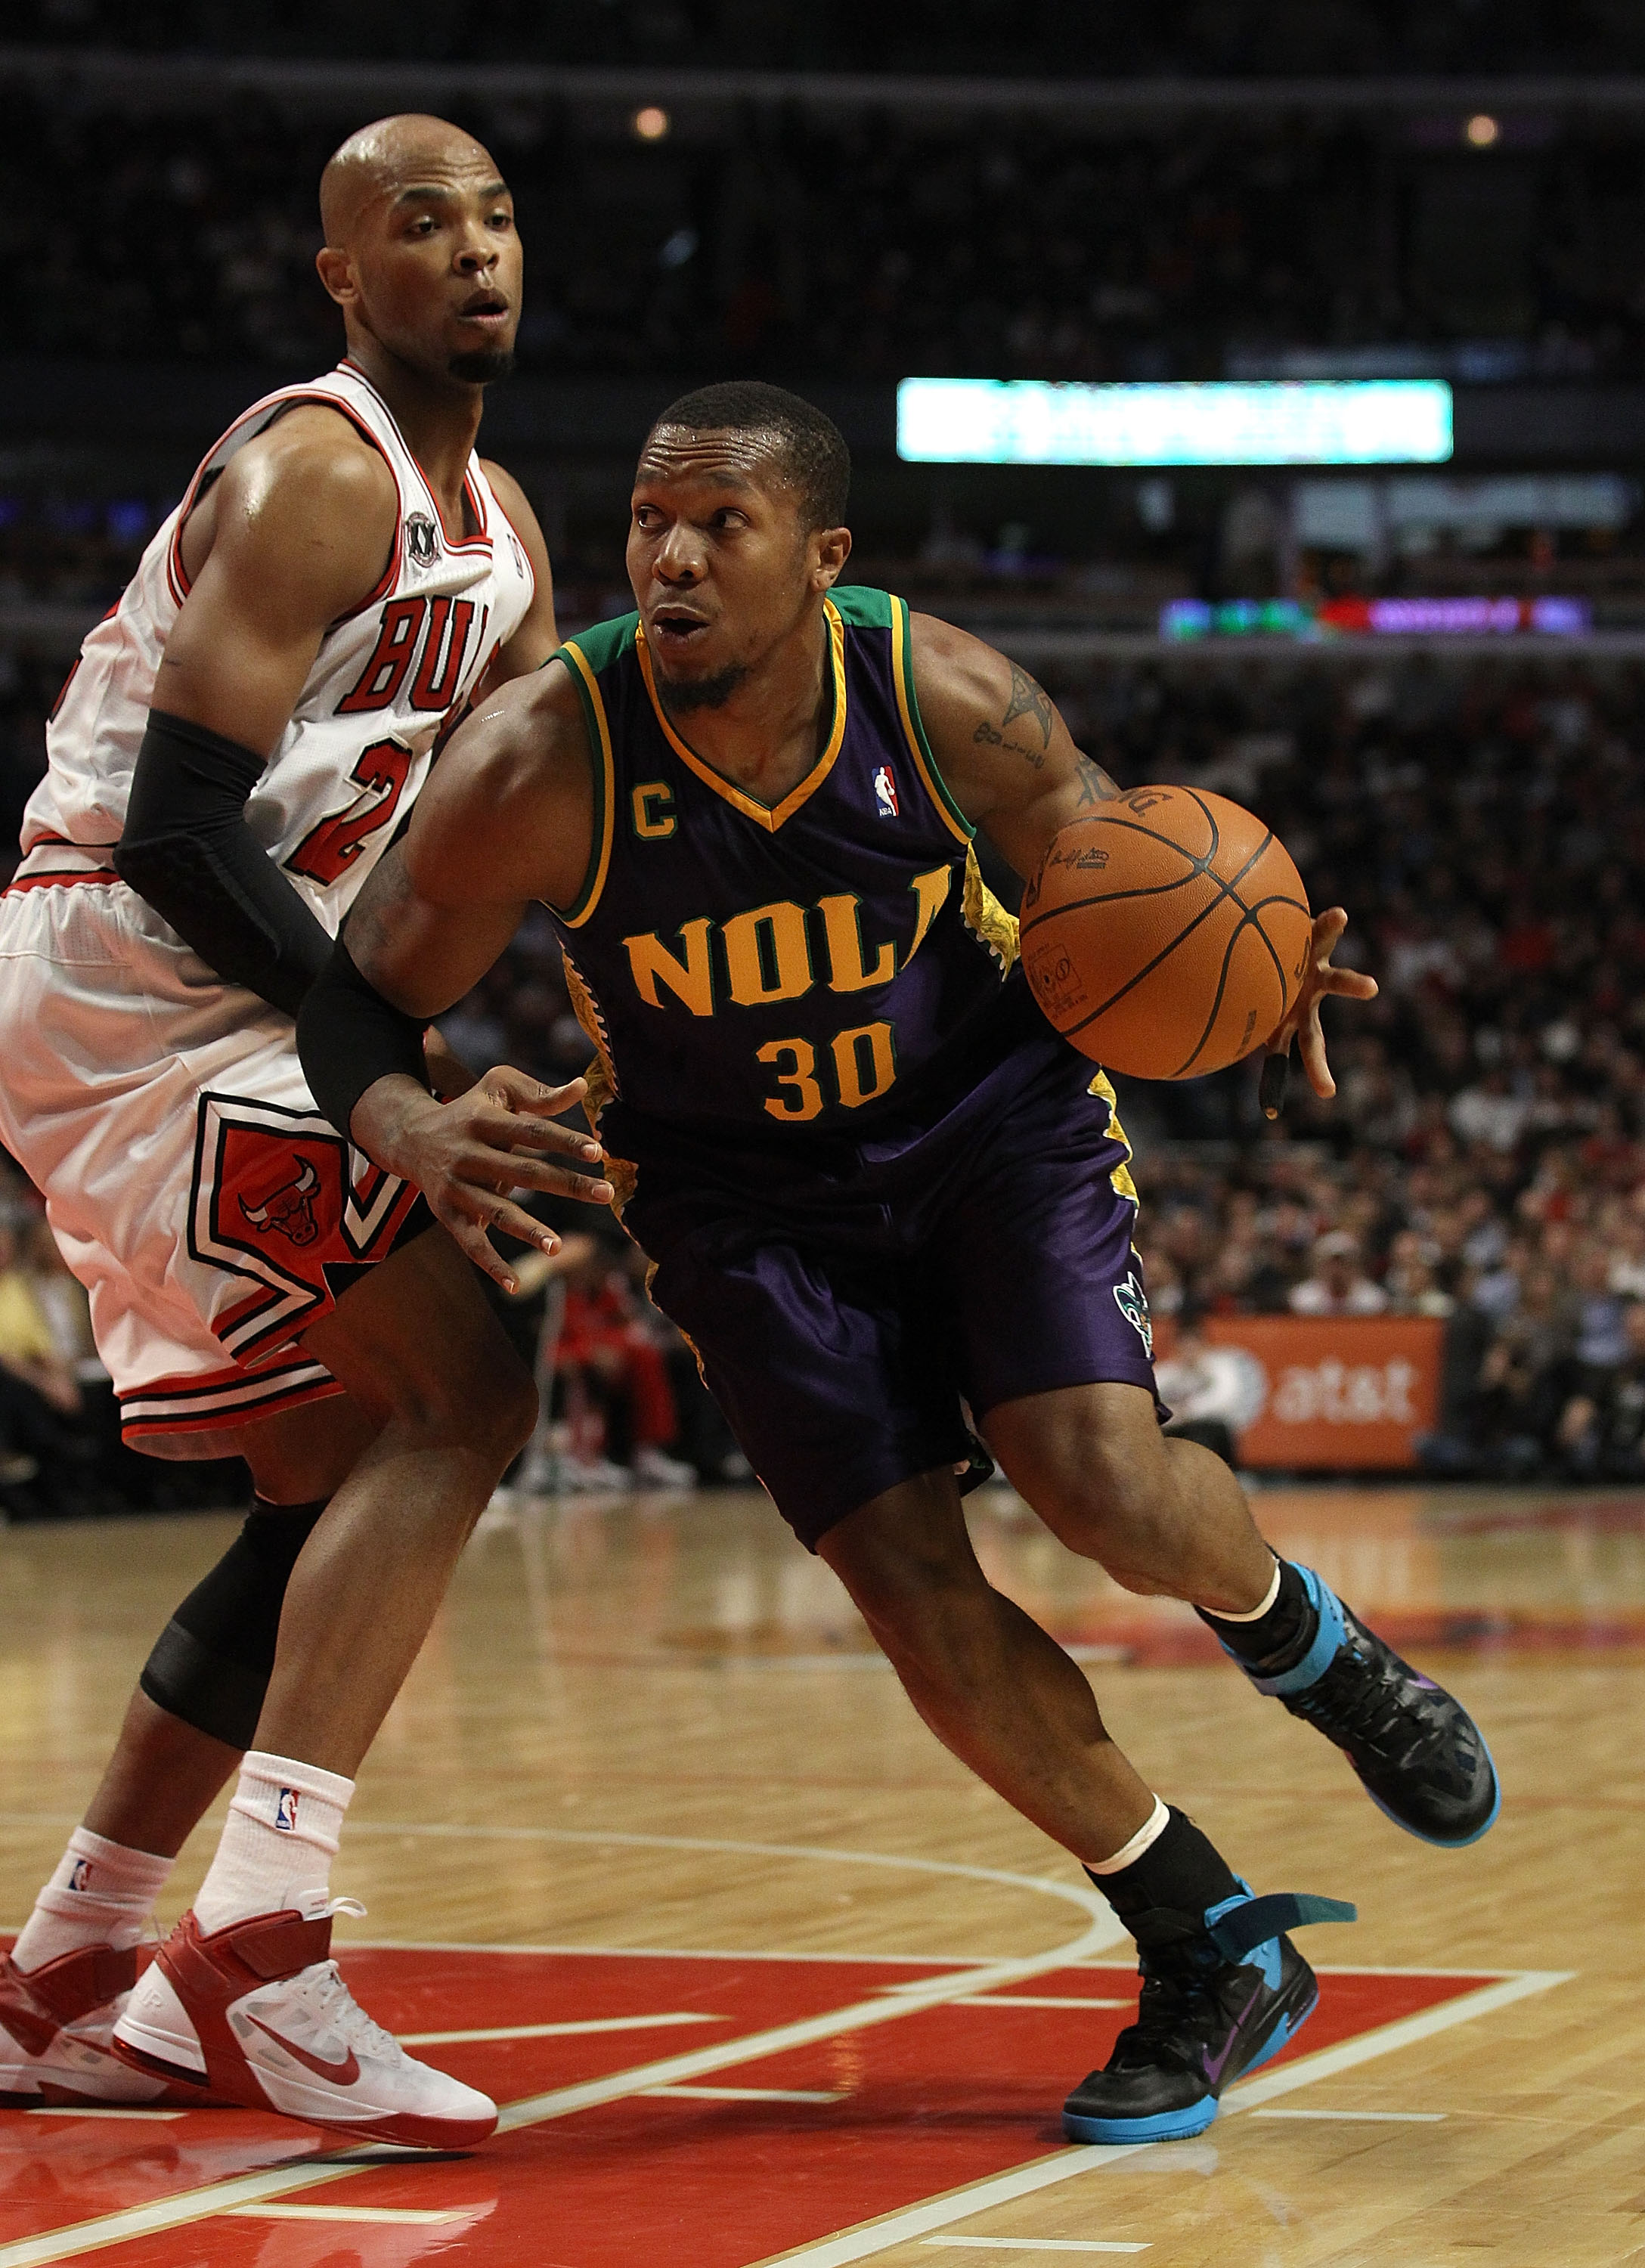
340	2074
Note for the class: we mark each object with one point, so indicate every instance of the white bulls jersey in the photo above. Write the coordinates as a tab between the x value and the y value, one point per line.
386	678
211	1212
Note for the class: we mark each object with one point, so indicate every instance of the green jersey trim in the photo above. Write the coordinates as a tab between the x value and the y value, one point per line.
908	702
603	767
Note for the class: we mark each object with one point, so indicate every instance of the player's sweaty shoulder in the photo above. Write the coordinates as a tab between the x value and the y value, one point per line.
994	730
307	512
956	677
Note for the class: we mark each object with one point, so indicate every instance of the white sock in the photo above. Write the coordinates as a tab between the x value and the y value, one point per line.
278	1841
1149	1833
1252	1613
101	1894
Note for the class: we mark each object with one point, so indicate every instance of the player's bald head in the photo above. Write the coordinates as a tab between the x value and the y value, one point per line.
390	158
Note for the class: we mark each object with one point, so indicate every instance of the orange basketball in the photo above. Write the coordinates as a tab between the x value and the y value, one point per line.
1167	934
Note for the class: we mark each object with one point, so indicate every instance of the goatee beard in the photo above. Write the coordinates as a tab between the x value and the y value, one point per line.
702	692
482	368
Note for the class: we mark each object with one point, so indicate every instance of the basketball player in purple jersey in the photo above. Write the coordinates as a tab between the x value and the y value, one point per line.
233	751
873	1180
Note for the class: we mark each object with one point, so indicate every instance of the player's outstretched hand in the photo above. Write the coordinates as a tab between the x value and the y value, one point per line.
1318	979
466	1155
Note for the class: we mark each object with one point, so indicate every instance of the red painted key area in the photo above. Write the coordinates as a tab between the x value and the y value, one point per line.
938	2097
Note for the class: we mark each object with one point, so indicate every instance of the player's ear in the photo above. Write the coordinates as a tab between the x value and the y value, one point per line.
831	549
336	273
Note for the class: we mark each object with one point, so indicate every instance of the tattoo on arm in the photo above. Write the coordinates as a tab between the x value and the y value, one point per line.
990	736
1029	700
1095	786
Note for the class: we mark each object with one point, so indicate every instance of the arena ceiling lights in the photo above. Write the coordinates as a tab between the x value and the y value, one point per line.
986	421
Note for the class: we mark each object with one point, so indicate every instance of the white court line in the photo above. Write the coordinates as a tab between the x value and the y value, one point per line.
745	2094
945	1961
1403	2033
1037	2000
1105	1927
1360	2117
874	2237
395	2216
1030	2245
553	2031
1101	1928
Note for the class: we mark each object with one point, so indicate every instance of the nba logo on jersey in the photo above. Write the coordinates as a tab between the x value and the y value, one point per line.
80	1875
286	1810
885	792
422	543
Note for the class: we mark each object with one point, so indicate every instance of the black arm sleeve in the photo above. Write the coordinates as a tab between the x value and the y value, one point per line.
187	848
349	1036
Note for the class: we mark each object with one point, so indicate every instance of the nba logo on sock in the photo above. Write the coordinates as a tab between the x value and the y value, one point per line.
285	1809
885	792
80	1875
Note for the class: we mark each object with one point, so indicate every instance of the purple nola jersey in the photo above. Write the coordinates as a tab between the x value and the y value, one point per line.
790	979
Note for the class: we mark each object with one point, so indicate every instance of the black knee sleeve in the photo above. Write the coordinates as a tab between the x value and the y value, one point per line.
210	1665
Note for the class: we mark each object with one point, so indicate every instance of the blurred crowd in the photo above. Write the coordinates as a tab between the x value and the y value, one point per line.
1485	1159
61	1454
872	246
1158	37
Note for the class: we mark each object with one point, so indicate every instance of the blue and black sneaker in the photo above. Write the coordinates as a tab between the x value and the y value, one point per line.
1419	1754
1221	1992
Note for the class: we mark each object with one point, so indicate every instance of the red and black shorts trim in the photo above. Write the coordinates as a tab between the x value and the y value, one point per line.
223	1400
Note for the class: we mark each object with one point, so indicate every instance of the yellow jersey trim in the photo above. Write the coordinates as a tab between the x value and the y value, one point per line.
604	782
986	918
1119	1181
770	816
924	763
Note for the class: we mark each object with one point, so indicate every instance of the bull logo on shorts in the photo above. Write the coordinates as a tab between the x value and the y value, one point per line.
280	1215
284	1207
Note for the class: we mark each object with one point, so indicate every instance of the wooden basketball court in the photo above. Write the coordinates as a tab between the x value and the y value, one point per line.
655	1851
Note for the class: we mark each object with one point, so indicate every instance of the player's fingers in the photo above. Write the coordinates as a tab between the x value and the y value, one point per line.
516	1090
1276	1075
1328	932
498	1215
470	1238
507	1131
1314	1062
483	1169
1350	983
513	1130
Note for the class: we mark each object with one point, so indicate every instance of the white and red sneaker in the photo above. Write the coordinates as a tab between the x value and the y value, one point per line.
258	2014
56	2025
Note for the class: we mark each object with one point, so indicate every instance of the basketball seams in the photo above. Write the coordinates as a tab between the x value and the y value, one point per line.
1036	919
1106	944
1225	891
1248	921
1039	917
1199	864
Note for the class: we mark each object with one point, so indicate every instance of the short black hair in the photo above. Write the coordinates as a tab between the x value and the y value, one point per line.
811	449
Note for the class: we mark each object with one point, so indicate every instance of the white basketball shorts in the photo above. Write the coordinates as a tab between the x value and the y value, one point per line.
208	1208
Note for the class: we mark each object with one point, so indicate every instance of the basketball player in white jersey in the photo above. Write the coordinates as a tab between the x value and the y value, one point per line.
235	747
